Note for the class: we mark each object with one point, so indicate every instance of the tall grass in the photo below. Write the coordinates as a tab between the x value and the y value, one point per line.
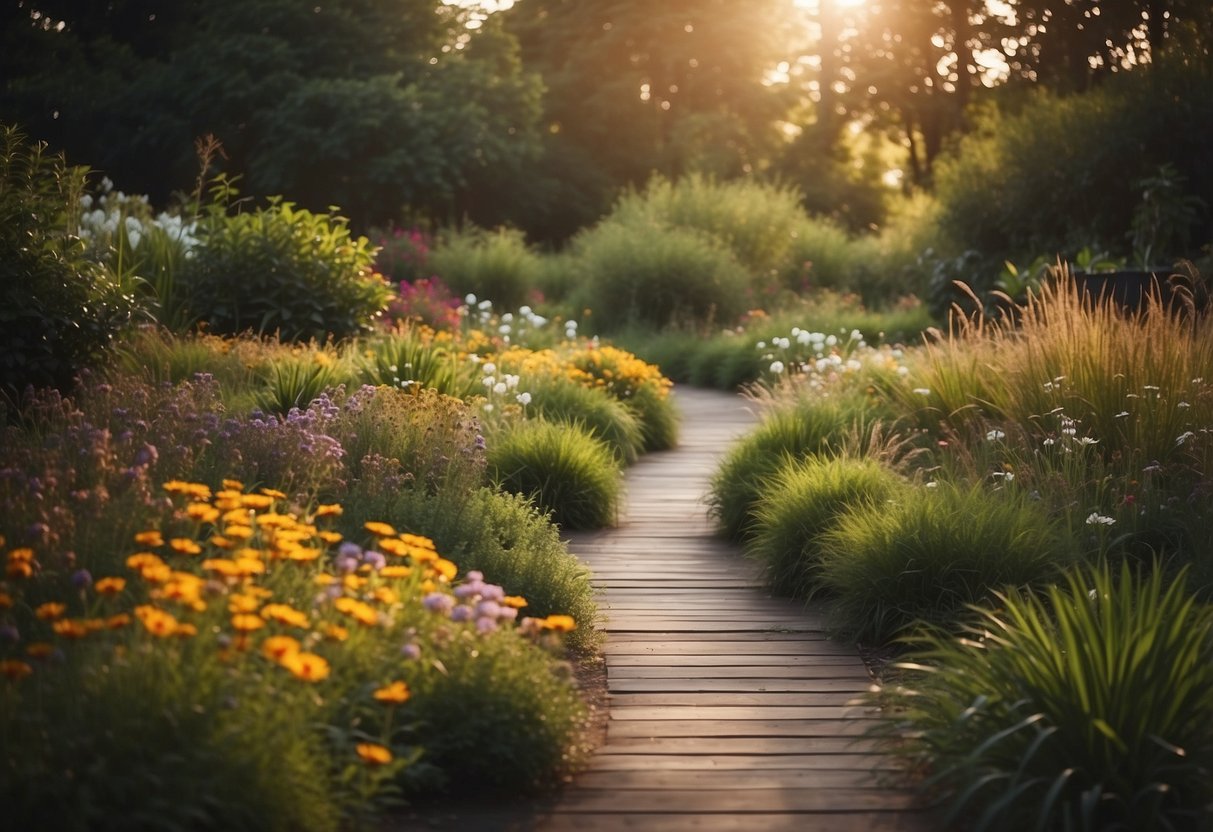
1089	706
494	265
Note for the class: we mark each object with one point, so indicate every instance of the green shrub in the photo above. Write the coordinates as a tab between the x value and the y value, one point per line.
640	386
561	399
59	311
756	221
929	555
409	358
493	265
656	276
787	434
563	467
295	381
800	503
282	269
1089	707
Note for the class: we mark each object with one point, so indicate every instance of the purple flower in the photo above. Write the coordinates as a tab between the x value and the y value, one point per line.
461	613
486	625
374	559
9	633
488	609
411	652
82	579
345	564
438	602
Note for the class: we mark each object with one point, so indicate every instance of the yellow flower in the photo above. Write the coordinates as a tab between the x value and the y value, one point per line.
392	546
117	622
273	493
395	571
70	628
239	603
277	648
256	501
6	600
202	512
191	489
40	649
515	601
150	538
335	632
285	614
418	540
303	553
357	610
307	666
446	569
379	529
235	515
15	669
245	623
156	621
49	611
324	579
374	755
221	542
186	630
233	485
238	532
559	623
397	693
386	596
330	537
274	520
22	555
110	586
328	510
18	569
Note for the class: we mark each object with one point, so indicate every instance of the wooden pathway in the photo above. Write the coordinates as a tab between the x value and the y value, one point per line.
729	709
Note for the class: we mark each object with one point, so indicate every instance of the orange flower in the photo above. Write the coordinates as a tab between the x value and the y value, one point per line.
397	693
156	621
22	555
274	493
374	755
238	603
192	489
395	571
151	538
559	623
328	510
40	649
256	501
335	632
70	628
18	569
277	648
379	529
357	610
515	601
446	569
307	666
246	623
233	485
386	596
285	614
15	669
202	512
109	586
117	622
329	537
49	611
6	600
184	546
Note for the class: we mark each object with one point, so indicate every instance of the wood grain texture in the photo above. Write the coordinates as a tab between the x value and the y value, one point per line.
729	709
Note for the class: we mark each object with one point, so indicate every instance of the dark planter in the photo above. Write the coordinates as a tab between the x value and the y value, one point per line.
1129	289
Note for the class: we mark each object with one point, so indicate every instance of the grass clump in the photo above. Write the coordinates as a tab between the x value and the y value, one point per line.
800	503
932	553
1088	706
496	265
557	398
563	467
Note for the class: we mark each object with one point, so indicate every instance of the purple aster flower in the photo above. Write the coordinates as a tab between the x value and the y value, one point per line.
374	559
411	652
486	625
488	609
82	579
461	613
438	602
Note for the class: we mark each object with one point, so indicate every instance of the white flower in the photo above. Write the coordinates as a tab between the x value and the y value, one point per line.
107	184
1184	437
995	435
511	381
86	201
1050	441
485	305
470	299
504	329
489	368
508	317
1097	519
1183	405
488	381
932	484
921	391
777	367
1086	440
1122	414
499	388
524	311
761	345
488	407
831	340
523	399
905	371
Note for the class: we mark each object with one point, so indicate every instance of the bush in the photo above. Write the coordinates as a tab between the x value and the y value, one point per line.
493	265
282	269
412	359
561	399
638	385
657	276
1089	707
929	555
787	434
58	310
563	467
801	502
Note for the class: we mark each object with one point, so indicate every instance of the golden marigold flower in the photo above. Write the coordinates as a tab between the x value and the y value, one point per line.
386	596
191	489
223	566
392	546
6	601
373	754
559	623
233	485
277	648
117	622
156	621
329	537
303	554
17	569
151	538
186	630
49	611
72	628
335	632
109	586
379	529
353	582
324	579
420	541
246	623
259	592
235	515
255	501
274	520
357	610
307	666
40	649
240	603
238	532
202	512
14	669
21	555
328	510
395	571
515	601
446	569
396	693
285	614
274	493
94	625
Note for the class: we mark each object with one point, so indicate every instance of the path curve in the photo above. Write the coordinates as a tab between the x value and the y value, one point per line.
729	709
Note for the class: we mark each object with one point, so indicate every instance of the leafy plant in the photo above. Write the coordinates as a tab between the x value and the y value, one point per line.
282	269
59	310
928	555
489	264
1086	706
561	466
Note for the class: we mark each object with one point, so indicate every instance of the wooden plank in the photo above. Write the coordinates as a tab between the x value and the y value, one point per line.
787	800
867	763
626	821
686	647
725	666
758	700
738	728
725	713
739	685
739	778
804	670
822	746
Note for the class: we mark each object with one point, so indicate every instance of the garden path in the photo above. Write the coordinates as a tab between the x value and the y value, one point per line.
728	709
